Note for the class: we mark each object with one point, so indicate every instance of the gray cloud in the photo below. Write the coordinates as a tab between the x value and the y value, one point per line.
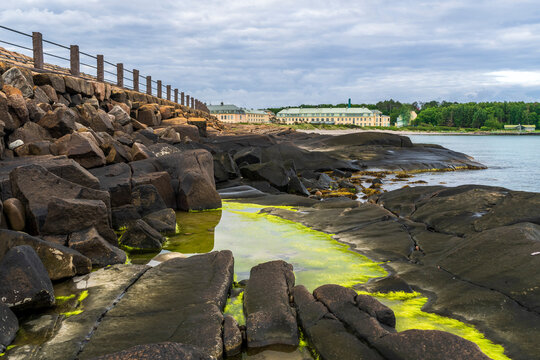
271	53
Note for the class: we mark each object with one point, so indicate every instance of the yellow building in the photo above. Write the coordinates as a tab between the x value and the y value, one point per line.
333	116
257	116
228	113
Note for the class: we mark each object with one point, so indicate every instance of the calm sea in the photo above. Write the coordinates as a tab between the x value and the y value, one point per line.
513	161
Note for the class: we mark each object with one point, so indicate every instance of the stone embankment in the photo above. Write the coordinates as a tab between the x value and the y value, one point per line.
82	160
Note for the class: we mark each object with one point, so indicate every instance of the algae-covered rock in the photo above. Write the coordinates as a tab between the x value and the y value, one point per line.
9	325
140	236
90	243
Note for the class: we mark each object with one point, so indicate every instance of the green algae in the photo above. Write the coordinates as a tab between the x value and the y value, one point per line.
235	308
83	296
62	299
318	259
409	315
71	313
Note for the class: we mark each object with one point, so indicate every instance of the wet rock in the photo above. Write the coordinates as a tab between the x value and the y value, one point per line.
327	334
162	182
142	237
61	262
164	297
24	282
147	199
162	220
16	78
9	325
165	351
83	214
90	243
124	215
104	286
81	147
272	172
34	186
60	121
429	345
270	320
232	337
340	301
196	192
237	192
14	210
375	309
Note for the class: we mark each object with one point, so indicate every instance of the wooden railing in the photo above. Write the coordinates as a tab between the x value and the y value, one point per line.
102	69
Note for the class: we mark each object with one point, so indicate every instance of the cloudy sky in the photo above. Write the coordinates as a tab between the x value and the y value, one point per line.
263	53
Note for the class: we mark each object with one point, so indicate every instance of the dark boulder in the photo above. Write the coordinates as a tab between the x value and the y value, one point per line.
232	337
9	325
83	214
140	236
248	156
90	243
60	121
124	215
197	192
34	186
428	345
162	182
30	132
162	220
376	309
24	282
56	81
116	179
270	319
14	211
326	333
340	301
60	261
149	115
81	147
224	167
147	199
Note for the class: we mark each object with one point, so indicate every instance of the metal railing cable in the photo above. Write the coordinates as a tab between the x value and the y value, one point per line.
38	64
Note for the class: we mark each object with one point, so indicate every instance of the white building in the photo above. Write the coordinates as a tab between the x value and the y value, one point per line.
333	116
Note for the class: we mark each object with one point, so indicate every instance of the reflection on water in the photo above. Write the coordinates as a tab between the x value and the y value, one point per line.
317	259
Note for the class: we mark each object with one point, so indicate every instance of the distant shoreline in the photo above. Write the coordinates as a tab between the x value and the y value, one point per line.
404	132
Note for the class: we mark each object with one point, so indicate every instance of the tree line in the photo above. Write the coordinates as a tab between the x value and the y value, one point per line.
488	115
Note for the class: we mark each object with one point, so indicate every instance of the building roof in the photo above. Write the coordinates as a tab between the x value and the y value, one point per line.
327	111
251	111
223	108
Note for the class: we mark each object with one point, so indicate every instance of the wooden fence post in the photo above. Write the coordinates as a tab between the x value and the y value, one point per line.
159	89
187	100
74	60
120	75
182	98
136	80
169	92
192	102
149	85
37	44
100	68
176	96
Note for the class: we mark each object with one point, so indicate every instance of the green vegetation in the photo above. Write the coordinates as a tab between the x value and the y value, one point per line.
453	116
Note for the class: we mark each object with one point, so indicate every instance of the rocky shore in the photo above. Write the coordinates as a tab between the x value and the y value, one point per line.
92	173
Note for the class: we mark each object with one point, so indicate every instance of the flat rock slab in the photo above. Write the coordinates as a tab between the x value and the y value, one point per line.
180	300
104	287
270	319
162	351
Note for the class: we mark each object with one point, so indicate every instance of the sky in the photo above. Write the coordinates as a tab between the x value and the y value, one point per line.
266	53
